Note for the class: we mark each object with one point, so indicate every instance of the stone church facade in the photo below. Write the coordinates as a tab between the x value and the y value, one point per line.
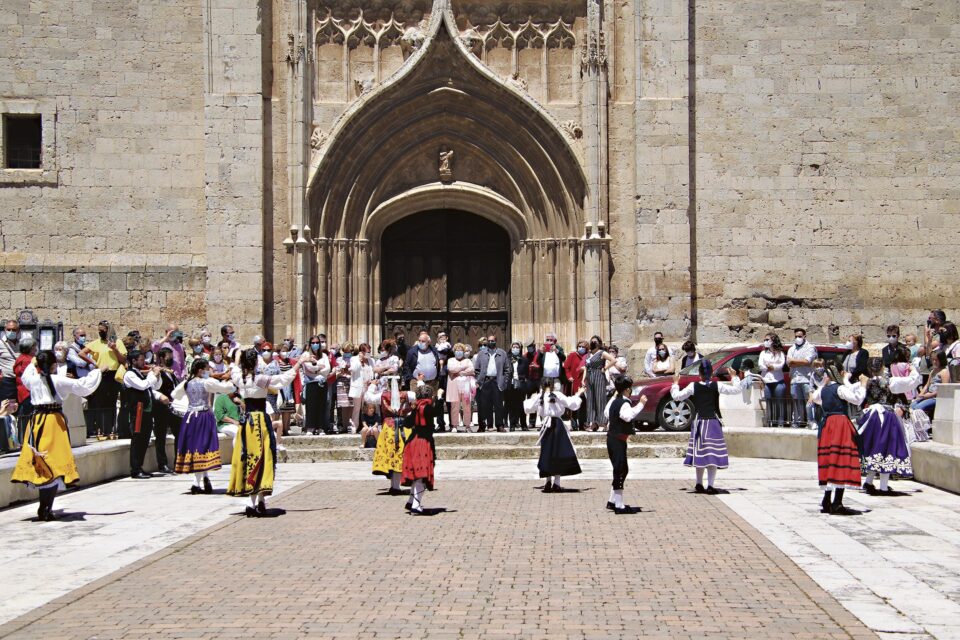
705	167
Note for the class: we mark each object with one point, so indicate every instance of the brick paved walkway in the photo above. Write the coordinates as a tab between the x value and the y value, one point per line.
504	562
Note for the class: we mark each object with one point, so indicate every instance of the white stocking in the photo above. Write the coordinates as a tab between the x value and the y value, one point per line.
700	475
884	481
253	500
198	478
613	495
618	498
556	481
395	480
871	476
417	494
711	475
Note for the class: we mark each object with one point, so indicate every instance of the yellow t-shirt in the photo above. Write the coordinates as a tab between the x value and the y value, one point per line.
103	354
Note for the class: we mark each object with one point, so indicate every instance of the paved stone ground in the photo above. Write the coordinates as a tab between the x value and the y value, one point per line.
504	561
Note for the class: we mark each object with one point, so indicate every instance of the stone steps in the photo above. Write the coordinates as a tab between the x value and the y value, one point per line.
483	446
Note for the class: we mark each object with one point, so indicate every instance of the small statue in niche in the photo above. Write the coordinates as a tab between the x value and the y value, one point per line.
446	162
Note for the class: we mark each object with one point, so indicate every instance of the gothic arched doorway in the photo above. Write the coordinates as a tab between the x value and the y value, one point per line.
446	270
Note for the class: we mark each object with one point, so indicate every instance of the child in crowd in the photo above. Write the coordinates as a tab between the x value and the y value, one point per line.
371	426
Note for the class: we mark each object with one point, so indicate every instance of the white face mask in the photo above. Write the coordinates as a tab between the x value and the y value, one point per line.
284	354
205	374
767	344
61	356
205	339
799	341
267	355
848	344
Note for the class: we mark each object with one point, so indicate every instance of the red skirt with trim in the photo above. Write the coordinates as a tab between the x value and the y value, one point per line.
837	454
417	463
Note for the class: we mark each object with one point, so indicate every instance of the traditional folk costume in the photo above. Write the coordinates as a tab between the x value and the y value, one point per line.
620	416
198	450
883	444
916	422
420	453
137	402
46	460
558	457
838	457
395	406
253	467
707	448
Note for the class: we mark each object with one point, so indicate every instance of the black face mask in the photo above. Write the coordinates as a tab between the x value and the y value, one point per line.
491	345
103	335
401	340
657	340
594	345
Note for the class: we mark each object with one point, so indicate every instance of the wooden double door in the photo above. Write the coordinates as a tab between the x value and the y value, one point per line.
446	270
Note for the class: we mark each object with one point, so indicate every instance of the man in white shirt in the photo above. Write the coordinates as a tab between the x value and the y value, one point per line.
651	356
493	371
800	359
139	391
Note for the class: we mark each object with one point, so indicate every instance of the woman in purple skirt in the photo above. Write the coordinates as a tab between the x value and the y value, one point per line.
198	448
883	445
707	449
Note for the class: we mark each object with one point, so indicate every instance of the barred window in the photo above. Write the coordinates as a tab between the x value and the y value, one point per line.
22	141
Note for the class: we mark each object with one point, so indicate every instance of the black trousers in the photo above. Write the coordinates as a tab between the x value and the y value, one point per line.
490	407
442	384
101	413
514	401
164	421
617	452
139	441
316	409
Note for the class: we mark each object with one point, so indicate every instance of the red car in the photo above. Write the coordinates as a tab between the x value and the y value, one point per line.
663	411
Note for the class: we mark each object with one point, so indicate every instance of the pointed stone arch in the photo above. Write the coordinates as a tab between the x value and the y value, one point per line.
511	163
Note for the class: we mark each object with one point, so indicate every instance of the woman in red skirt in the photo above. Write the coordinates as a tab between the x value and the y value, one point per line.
419	452
837	453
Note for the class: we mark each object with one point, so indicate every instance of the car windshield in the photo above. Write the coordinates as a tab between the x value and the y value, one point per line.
715	357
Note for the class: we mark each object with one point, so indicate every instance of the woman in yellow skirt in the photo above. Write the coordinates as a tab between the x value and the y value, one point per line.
395	406
46	460
255	445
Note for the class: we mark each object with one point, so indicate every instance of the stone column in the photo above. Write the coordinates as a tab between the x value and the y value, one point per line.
321	302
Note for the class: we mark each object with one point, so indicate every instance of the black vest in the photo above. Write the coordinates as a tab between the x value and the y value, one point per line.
831	402
618	427
168	382
134	397
706	400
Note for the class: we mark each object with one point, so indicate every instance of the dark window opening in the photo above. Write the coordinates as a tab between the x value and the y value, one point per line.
22	141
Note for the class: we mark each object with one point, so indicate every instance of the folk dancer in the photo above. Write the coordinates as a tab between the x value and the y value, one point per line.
395	406
253	467
137	401
707	448
620	414
198	451
419	450
558	457
838	457
46	460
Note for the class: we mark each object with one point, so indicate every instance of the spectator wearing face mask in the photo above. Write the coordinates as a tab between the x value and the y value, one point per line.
771	361
461	388
227	333
445	349
818	379
193	351
517	388
655	354
173	340
614	369
109	354
422	364
800	359
931	334
890	350
402	347
77	354
206	344
663	362
949	344
690	354
595	381
856	361
573	369
28	349
493	375
314	374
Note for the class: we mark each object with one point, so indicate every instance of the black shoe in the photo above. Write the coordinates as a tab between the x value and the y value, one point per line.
626	510
870	488
825	505
611	506
548	488
840	510
165	470
711	491
416	512
207	486
41	513
699	489
316	432
250	512
481	429
50	516
139	475
261	508
194	490
557	489
408	506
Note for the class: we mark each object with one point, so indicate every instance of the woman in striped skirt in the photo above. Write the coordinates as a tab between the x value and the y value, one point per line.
595	381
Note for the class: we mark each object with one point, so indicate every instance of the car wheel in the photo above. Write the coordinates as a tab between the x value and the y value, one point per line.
675	416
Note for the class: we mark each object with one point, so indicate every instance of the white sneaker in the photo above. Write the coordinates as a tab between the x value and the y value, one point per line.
280	447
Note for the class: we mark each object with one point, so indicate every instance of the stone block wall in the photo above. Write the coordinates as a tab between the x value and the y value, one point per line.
827	165
114	229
